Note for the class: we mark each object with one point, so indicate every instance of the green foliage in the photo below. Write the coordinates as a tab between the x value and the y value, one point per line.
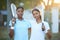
3	4
27	3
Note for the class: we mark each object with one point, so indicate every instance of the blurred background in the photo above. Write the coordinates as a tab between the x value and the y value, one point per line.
50	10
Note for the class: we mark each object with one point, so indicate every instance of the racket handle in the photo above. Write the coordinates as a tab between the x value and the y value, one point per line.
43	27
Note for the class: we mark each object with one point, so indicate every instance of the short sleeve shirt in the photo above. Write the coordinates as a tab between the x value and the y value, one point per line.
21	29
36	30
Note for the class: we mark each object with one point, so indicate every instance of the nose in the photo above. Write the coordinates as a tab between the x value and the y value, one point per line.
35	15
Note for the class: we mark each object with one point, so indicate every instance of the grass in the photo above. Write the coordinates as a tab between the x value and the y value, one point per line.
4	34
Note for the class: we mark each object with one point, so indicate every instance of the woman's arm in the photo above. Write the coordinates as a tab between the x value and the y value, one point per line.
11	33
29	30
49	34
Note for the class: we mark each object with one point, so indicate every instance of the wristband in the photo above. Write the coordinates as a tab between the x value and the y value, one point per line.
12	27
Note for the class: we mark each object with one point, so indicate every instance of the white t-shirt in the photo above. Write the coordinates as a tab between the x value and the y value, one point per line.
36	30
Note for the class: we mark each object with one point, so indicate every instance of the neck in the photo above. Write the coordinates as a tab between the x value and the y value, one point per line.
38	20
20	18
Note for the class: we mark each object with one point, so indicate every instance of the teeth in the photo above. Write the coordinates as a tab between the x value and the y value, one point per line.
13	22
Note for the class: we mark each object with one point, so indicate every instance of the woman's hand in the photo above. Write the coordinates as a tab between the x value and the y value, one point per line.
13	21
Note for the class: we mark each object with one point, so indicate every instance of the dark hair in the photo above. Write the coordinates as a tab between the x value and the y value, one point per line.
19	8
37	11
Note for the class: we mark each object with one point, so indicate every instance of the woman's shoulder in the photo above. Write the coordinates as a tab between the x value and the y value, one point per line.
45	22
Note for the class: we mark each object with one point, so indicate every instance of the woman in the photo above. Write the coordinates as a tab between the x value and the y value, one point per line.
39	28
21	26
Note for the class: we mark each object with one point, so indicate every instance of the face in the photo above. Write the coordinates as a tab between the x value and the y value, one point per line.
36	14
20	12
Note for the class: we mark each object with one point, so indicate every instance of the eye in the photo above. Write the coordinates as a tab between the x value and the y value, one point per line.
18	11
33	13
36	13
21	11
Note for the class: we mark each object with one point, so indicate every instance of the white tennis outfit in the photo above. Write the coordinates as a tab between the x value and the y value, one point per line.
36	30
